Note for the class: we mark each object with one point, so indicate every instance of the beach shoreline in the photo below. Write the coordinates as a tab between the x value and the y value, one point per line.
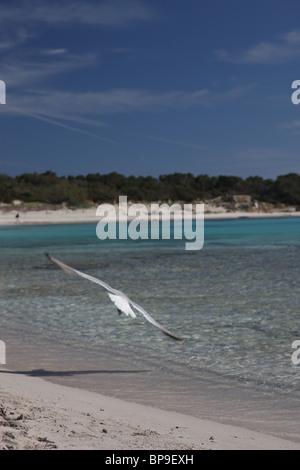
18	217
49	405
38	414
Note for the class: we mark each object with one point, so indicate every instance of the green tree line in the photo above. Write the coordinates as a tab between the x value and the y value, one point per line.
97	188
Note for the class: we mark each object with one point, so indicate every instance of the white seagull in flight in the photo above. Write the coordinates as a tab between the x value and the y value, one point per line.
120	299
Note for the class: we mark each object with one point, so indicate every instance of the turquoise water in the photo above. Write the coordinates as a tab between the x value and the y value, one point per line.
236	301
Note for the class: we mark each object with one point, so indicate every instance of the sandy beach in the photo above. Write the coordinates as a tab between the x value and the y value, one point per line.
38	414
19	216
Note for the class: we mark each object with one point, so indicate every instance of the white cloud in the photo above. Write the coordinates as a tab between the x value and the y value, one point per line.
262	155
60	124
100	13
54	51
11	38
175	142
89	106
285	49
22	20
268	162
293	126
19	71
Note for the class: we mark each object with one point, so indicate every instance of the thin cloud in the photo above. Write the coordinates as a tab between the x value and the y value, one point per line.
174	142
59	124
17	164
262	161
17	71
263	155
105	13
54	51
285	49
293	126
83	106
21	21
10	38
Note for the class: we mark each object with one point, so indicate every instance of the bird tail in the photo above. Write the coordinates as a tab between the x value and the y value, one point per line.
122	304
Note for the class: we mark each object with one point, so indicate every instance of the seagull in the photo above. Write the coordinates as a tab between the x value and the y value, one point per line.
122	302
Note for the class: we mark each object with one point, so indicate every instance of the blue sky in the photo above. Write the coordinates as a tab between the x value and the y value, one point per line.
150	87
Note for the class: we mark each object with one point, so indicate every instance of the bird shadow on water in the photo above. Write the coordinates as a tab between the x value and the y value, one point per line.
69	373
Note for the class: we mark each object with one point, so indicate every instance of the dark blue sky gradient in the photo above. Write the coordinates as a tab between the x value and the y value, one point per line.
150	87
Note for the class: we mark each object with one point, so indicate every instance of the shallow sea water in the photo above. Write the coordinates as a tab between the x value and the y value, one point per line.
235	303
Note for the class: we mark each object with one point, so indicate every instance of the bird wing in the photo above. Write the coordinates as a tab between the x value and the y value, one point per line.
117	297
70	270
154	322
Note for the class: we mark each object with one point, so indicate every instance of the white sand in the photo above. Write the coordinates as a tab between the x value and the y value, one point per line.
65	216
37	414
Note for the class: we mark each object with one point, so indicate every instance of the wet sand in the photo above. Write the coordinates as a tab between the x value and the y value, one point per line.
38	414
